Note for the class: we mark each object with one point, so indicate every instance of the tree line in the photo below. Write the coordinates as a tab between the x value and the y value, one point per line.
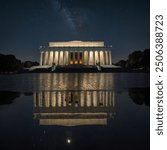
9	63
137	60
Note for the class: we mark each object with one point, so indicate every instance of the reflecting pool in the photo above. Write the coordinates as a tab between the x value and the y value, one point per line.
75	111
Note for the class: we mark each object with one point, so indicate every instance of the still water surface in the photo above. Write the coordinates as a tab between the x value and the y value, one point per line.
74	111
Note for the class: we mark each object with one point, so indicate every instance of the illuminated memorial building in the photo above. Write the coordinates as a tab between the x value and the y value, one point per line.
75	53
73	105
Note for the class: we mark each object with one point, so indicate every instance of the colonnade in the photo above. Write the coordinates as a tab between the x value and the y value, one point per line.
82	99
103	57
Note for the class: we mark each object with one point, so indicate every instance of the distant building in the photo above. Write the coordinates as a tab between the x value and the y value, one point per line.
75	53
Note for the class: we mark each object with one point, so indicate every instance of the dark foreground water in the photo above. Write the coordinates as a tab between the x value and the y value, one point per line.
74	111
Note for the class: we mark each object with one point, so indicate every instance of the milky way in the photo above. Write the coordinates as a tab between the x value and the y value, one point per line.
73	14
27	24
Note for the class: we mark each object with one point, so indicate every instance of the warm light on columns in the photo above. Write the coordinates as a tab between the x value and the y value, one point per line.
66	58
88	57
61	58
41	59
85	57
91	58
56	58
51	58
102	57
96	57
110	58
46	58
106	53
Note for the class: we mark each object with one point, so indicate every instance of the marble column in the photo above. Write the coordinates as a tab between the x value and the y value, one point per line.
78	58
44	58
110	58
85	57
48	63
104	54
108	53
41	59
101	58
106	57
64	57
68	57
61	57
54	55
88	57
58	57
51	58
48	58
98	56
94	58
73	57
91	59
82	57
67	60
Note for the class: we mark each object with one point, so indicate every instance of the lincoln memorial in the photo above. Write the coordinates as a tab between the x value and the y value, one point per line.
75	53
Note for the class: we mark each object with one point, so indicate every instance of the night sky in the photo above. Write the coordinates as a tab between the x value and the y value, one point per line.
27	24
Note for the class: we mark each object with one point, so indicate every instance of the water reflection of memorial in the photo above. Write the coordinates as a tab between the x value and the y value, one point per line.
74	107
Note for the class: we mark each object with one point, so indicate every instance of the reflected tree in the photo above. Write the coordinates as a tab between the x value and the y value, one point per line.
7	97
28	93
140	96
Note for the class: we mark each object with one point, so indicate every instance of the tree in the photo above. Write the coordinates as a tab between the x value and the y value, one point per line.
9	63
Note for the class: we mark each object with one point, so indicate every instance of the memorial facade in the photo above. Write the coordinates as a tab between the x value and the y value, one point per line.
75	53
